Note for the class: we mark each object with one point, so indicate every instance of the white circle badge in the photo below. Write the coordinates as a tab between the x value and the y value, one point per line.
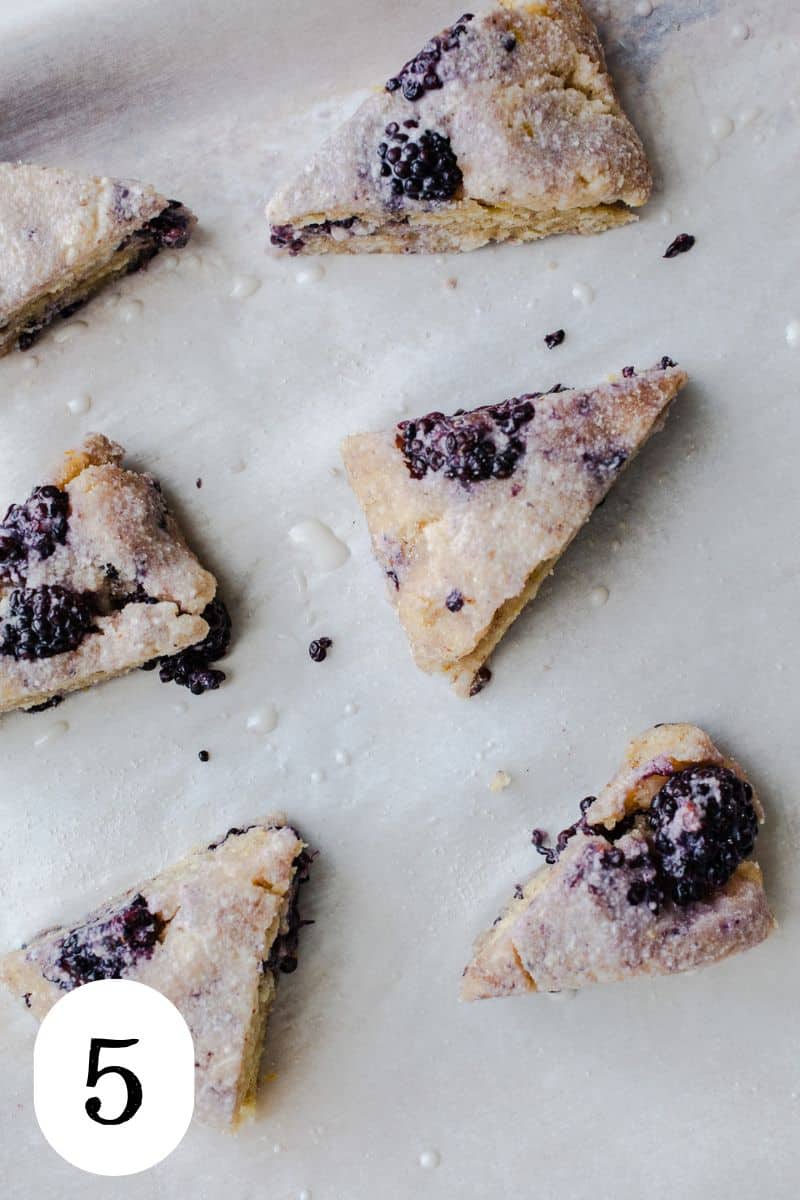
113	1077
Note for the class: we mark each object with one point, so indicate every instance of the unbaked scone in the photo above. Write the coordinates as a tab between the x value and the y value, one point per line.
95	579
468	514
505	127
655	877
212	934
64	236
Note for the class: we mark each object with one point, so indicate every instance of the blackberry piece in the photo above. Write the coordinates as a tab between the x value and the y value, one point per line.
628	372
482	676
552	340
420	75
172	227
553	853
426	169
682	243
44	621
283	954
666	361
604	465
35	527
203	755
472	447
318	649
53	702
286	237
703	824
109	945
455	601
190	668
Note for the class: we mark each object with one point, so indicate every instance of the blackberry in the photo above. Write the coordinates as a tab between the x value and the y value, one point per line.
190	668
426	169
108	945
44	621
471	447
35	527
318	649
682	243
420	74
703	824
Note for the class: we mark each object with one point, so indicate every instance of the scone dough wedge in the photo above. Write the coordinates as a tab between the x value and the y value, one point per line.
468	514
64	236
654	878
212	934
96	579
505	127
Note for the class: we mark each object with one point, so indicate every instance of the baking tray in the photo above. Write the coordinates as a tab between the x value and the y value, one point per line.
684	1086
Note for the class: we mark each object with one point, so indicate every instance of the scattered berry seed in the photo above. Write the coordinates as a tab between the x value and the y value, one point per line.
554	339
318	649
666	361
204	756
198	482
628	372
682	243
509	42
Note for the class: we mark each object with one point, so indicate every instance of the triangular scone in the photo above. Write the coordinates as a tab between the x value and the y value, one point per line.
212	934
95	579
506	127
654	878
63	236
468	514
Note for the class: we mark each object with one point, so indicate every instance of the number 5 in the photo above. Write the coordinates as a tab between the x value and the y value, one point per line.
134	1087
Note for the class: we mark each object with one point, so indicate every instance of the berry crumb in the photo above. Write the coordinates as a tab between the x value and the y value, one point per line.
318	649
682	243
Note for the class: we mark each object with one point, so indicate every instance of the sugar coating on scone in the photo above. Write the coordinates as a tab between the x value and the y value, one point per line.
469	513
96	579
212	934
505	127
64	236
655	877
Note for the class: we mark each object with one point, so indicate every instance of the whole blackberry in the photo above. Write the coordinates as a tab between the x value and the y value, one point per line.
703	824
425	169
420	74
109	945
35	527
471	447
44	621
190	668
